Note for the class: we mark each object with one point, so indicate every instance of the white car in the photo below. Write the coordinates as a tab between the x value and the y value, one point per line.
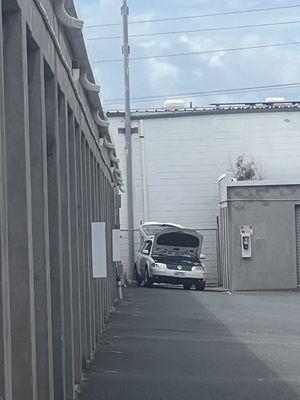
173	255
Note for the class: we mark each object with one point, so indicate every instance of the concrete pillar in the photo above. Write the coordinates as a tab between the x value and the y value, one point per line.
19	213
40	224
105	220
55	234
87	250
66	243
96	211
90	218
100	290
5	344
103	280
73	132
81	247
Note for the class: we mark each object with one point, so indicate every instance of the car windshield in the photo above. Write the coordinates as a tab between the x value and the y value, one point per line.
152	230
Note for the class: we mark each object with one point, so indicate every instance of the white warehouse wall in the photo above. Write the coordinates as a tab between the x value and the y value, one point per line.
184	157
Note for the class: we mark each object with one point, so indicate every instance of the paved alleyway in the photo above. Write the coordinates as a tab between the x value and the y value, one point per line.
164	344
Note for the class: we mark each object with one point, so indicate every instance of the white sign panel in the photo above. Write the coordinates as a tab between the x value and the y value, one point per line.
246	229
116	245
99	250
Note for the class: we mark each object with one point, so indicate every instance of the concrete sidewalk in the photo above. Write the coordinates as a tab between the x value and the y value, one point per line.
164	344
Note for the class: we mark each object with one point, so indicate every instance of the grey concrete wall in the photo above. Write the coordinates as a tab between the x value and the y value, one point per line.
55	180
271	210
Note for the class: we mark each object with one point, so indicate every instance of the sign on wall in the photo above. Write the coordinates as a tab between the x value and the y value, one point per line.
246	229
99	250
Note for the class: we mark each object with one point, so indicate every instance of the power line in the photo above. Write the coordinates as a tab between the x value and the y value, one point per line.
198	30
208	93
197	16
199	52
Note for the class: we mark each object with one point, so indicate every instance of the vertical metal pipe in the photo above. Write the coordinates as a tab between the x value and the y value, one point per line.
126	53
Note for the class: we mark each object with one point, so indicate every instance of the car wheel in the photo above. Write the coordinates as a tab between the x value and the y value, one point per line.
199	286
136	277
148	282
187	286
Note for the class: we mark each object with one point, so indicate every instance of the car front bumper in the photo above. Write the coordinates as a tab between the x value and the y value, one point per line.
176	275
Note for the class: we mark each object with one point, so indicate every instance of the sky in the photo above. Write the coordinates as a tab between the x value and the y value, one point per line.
162	77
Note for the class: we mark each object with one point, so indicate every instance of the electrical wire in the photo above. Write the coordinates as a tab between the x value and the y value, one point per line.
197	16
197	30
263	46
207	93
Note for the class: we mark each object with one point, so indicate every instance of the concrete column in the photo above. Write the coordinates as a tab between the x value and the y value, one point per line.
105	205
96	210
5	344
81	248
19	213
103	219
99	199
55	234
109	235
66	242
40	224
91	279
73	132
87	251
93	219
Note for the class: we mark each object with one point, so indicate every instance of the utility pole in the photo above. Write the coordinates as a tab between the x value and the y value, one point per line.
126	53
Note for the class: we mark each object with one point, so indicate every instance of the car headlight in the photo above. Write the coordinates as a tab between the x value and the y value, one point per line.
159	266
198	268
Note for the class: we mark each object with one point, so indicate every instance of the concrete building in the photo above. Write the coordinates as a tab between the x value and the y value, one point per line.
58	173
265	215
179	155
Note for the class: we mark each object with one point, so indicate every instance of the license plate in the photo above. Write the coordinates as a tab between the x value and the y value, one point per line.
179	273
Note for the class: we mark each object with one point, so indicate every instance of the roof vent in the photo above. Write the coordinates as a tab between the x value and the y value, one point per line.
275	100
172	105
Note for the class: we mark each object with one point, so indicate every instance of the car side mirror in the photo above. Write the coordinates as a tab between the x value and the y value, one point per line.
202	257
146	252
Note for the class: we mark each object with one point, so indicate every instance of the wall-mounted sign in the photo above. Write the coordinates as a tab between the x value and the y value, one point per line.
246	229
99	250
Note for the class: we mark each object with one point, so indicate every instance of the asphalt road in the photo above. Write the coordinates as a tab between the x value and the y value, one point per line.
171	344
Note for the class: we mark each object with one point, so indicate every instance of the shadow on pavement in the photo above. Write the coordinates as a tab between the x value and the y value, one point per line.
165	345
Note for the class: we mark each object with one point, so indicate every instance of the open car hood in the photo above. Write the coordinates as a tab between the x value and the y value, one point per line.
178	239
156	226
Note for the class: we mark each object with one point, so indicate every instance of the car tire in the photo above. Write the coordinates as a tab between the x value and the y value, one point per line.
137	277
187	286
200	286
148	282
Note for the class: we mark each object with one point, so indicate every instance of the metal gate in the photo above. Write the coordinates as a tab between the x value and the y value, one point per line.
298	243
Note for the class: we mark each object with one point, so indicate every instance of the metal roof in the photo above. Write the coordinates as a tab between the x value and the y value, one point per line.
214	109
288	182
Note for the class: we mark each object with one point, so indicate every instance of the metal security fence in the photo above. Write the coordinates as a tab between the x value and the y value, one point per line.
209	249
125	251
56	178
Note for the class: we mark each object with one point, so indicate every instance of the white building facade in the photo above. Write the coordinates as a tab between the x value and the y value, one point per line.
178	157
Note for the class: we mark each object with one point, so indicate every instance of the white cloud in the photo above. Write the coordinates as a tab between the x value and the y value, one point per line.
216	60
162	72
156	44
